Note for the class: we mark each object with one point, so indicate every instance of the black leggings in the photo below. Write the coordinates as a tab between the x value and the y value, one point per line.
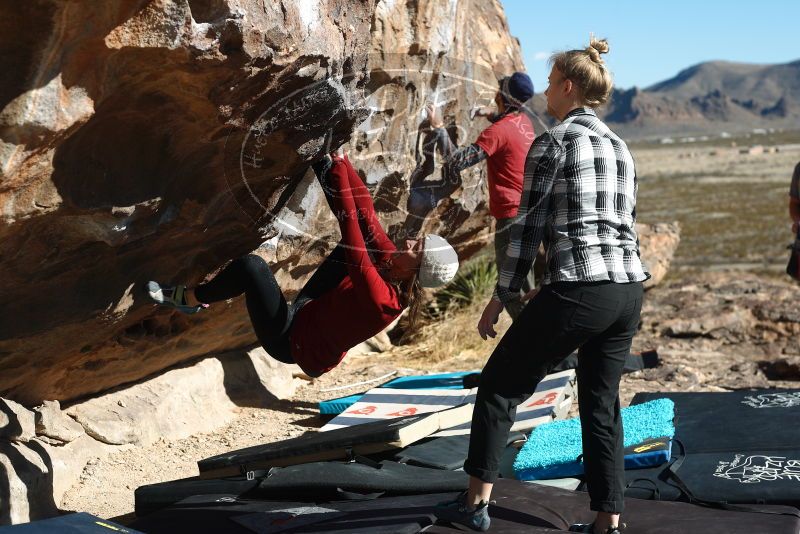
269	312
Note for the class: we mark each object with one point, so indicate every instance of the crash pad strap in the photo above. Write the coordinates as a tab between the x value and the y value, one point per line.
672	473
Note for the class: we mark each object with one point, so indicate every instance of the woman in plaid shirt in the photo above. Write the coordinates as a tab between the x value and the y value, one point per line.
579	200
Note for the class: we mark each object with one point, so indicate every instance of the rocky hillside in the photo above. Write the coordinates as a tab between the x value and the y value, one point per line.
159	139
707	98
712	96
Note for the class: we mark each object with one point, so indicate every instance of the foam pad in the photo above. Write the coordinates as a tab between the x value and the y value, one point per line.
80	523
553	449
551	400
738	421
363	439
214	514
446	453
324	481
338	405
765	476
433	381
152	497
523	507
741	447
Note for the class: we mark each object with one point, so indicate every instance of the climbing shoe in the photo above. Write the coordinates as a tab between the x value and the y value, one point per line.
589	528
457	512
172	296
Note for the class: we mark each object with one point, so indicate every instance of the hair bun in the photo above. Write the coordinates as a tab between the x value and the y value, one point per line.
597	47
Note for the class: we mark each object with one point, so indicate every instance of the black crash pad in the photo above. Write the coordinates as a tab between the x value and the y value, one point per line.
523	507
152	497
447	452
757	477
324	481
734	421
213	514
740	447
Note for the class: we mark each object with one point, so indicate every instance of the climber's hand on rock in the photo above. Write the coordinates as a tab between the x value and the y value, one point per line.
433	116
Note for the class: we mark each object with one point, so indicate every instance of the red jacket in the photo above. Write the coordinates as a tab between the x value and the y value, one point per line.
363	303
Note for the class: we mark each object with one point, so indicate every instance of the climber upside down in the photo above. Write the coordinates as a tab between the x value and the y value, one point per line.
351	297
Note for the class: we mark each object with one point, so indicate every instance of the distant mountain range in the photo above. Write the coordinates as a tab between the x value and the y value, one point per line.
710	97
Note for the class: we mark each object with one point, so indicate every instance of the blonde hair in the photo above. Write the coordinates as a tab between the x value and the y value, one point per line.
588	70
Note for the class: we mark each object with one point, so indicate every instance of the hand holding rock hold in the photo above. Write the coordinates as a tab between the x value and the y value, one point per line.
433	117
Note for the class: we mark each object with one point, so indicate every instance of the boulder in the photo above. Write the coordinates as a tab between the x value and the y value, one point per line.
16	422
276	378
55	424
193	398
159	140
27	482
176	404
36	475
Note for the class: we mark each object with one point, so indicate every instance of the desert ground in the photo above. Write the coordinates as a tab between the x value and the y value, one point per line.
725	317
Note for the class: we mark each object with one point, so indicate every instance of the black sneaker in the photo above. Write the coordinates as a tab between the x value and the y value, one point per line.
588	528
458	512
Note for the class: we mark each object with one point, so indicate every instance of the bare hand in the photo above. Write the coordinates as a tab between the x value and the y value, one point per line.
484	112
433	117
529	295
489	318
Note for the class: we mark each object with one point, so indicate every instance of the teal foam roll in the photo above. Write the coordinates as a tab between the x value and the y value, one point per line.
559	442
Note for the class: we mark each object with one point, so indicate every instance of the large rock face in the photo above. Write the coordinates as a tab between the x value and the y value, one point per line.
152	140
159	139
450	54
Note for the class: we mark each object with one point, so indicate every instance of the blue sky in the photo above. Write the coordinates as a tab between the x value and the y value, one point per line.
654	40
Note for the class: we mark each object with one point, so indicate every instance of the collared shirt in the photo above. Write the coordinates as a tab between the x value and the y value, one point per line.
579	199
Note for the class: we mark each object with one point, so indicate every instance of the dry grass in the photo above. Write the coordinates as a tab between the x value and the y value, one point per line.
450	342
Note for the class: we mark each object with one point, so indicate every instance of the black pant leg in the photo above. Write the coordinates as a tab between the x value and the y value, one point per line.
536	341
268	310
601	361
327	276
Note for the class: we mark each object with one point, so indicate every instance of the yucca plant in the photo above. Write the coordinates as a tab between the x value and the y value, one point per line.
473	283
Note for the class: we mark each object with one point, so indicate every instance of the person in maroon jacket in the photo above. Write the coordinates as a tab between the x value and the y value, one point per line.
361	288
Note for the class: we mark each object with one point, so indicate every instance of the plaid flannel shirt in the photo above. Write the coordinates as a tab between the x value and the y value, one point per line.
579	199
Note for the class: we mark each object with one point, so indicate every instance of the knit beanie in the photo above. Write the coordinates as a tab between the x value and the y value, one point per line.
439	262
516	89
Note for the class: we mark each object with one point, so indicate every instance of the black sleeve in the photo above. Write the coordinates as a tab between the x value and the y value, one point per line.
465	157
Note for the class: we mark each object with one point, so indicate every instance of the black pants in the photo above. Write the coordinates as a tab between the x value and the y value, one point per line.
269	312
600	320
